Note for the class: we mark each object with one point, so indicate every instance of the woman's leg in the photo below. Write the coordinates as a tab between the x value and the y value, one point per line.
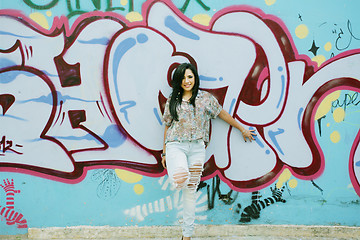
177	164
184	163
196	159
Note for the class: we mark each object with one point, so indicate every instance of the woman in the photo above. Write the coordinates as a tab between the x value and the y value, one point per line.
187	116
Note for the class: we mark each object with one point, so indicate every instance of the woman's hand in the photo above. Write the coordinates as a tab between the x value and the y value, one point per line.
248	134
163	161
224	115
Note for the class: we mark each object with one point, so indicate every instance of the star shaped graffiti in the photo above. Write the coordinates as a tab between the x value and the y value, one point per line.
314	48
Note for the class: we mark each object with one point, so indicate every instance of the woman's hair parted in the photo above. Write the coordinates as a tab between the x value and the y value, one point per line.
176	95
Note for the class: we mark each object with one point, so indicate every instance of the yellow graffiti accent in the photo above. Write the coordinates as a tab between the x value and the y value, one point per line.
301	31
325	105
123	2
319	59
48	13
293	183
134	17
335	137
202	19
40	19
139	189
128	176
270	2
284	177
328	46
339	115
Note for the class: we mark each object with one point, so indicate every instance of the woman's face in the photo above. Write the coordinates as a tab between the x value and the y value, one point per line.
188	81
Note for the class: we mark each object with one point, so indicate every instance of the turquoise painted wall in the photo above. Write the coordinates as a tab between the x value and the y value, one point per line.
82	88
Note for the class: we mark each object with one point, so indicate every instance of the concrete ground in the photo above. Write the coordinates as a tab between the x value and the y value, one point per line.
202	232
24	237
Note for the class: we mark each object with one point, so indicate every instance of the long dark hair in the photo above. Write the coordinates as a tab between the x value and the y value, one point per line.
176	95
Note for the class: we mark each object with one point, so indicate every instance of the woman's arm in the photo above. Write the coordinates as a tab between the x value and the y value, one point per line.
163	159
230	120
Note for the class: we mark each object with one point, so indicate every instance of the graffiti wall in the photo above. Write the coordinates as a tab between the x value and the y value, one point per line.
82	91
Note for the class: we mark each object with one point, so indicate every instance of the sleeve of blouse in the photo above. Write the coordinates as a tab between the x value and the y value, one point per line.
167	119
214	108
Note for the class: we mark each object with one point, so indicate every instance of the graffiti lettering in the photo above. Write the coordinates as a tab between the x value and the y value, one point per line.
77	100
319	123
349	99
41	7
214	189
77	9
5	145
200	2
339	43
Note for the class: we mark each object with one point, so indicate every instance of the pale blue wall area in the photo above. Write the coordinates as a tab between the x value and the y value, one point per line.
102	198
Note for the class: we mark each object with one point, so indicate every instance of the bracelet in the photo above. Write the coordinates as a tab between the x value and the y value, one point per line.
163	154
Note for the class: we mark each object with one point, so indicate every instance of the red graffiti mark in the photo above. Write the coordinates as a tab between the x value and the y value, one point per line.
76	117
11	216
69	74
6	145
354	162
9	186
39	170
6	100
17	45
10	191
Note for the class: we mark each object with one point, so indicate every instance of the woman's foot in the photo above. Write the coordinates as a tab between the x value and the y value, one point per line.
186	238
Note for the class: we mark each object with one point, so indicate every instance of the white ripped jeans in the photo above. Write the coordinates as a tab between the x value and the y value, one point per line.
184	163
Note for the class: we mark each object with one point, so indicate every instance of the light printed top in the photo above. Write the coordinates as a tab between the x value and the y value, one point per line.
192	125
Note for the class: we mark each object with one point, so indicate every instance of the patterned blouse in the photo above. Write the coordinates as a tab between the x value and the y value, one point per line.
192	125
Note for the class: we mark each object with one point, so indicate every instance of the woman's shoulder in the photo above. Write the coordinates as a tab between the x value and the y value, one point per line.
203	94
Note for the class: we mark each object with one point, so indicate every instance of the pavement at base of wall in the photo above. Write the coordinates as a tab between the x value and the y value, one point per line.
23	237
202	232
